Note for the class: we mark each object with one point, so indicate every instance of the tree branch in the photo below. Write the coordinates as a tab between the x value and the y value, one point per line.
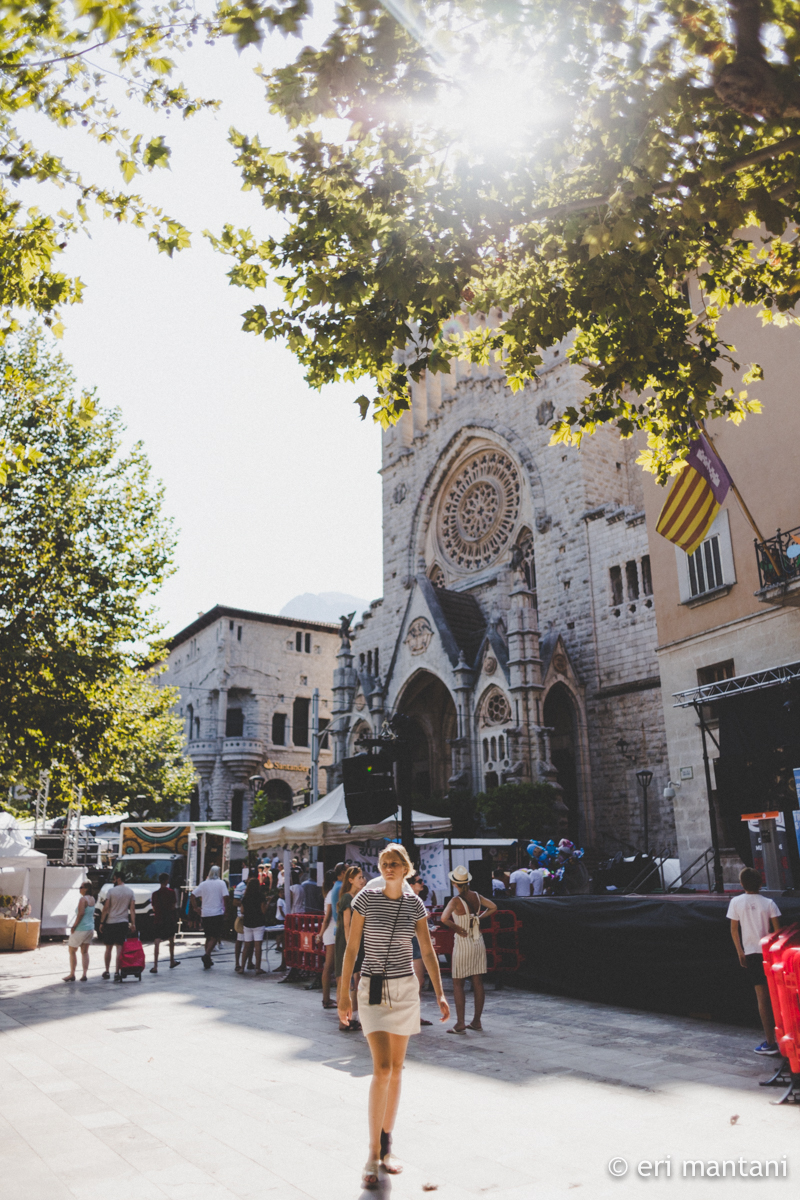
737	164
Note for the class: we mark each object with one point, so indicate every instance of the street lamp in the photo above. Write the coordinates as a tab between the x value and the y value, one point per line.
645	778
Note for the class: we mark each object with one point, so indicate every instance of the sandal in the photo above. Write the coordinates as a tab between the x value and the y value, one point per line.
69	979
370	1177
329	1004
388	1161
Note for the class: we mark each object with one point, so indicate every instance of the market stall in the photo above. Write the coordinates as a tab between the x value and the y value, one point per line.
51	894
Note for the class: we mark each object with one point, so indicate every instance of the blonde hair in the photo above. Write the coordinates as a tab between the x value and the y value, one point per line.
399	849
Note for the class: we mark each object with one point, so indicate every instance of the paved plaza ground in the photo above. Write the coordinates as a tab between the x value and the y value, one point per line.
205	1085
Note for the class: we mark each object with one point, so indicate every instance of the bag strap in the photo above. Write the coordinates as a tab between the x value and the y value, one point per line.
391	939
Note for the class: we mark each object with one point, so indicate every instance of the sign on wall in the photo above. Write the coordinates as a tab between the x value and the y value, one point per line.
432	869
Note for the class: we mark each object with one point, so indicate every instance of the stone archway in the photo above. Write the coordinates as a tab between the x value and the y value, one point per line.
280	790
433	726
560	715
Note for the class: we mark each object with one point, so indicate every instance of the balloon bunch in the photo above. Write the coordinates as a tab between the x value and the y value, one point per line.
554	858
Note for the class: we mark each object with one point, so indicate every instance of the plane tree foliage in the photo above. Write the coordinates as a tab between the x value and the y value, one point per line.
632	171
84	545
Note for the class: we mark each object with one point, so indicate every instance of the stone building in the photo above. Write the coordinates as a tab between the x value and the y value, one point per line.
517	625
729	618
246	681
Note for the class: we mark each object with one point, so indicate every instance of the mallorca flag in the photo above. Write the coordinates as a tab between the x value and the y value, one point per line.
695	498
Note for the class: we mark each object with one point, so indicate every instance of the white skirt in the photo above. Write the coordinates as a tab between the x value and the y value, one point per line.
399	1011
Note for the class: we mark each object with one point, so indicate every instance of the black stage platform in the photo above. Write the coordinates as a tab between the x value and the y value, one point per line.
670	954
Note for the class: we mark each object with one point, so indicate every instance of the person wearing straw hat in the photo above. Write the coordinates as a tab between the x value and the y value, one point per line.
463	915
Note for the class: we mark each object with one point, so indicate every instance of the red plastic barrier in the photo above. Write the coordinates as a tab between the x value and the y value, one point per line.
772	950
300	949
500	935
789	1042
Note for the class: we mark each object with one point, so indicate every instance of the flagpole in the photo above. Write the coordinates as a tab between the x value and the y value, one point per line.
742	504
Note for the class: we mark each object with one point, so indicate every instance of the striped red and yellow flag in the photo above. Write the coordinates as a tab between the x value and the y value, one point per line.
695	498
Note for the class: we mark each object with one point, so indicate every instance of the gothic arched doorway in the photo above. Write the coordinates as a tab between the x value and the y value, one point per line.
433	726
560	716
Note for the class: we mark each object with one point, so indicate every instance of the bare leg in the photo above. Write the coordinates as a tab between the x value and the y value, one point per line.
419	971
327	972
73	962
107	957
460	999
479	993
238	955
154	968
356	979
247	955
118	967
85	959
765	1011
171	950
258	958
388	1052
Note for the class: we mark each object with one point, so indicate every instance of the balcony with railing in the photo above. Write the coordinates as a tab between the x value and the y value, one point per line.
779	568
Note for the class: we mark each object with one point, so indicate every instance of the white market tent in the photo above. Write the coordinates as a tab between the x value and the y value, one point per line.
53	892
326	824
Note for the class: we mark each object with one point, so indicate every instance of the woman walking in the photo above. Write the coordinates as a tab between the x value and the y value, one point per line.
352	882
385	919
463	915
254	906
81	934
327	938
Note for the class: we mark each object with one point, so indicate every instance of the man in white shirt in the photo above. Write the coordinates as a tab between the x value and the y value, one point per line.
752	916
521	882
117	922
211	898
538	876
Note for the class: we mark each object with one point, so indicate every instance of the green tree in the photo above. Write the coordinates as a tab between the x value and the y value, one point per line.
62	64
266	810
83	546
628	171
521	810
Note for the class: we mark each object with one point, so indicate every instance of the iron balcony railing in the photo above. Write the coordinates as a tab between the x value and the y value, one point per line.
779	558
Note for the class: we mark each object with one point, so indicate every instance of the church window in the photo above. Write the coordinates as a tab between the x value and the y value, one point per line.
197	728
616	585
190	712
362	661
501	750
300	721
308	643
647	578
632	580
436	576
298	642
234	723
479	509
369	662
279	729
497	711
494	749
230	626
239	633
376	660
485	749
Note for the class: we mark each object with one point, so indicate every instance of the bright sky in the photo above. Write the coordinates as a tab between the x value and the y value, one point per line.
273	486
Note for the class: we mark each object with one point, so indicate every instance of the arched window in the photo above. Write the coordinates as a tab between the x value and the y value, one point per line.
485	749
436	576
494	750
501	747
496	710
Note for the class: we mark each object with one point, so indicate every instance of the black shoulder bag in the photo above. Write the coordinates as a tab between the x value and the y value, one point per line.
376	982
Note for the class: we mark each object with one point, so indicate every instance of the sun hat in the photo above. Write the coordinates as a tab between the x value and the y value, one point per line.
460	875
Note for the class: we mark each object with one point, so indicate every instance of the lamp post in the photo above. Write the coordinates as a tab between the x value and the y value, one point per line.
645	778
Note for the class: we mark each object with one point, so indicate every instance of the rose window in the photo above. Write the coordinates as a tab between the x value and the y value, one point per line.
479	510
497	711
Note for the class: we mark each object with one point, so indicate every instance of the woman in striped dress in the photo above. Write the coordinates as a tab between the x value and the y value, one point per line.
386	917
463	915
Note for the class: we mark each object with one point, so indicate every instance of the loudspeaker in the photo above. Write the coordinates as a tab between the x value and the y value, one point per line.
369	788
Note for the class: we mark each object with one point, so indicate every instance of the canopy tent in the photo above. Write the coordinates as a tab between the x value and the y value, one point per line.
14	850
326	824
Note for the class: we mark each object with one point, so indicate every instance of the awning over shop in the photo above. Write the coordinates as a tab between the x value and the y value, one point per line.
326	824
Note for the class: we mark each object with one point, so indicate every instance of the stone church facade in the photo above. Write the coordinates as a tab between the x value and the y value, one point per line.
517	625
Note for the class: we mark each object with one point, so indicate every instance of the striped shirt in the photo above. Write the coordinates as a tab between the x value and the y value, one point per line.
380	912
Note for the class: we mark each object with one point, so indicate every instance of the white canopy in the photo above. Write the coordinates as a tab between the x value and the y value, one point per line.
326	824
13	845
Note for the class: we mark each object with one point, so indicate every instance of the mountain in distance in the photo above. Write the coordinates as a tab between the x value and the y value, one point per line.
326	606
